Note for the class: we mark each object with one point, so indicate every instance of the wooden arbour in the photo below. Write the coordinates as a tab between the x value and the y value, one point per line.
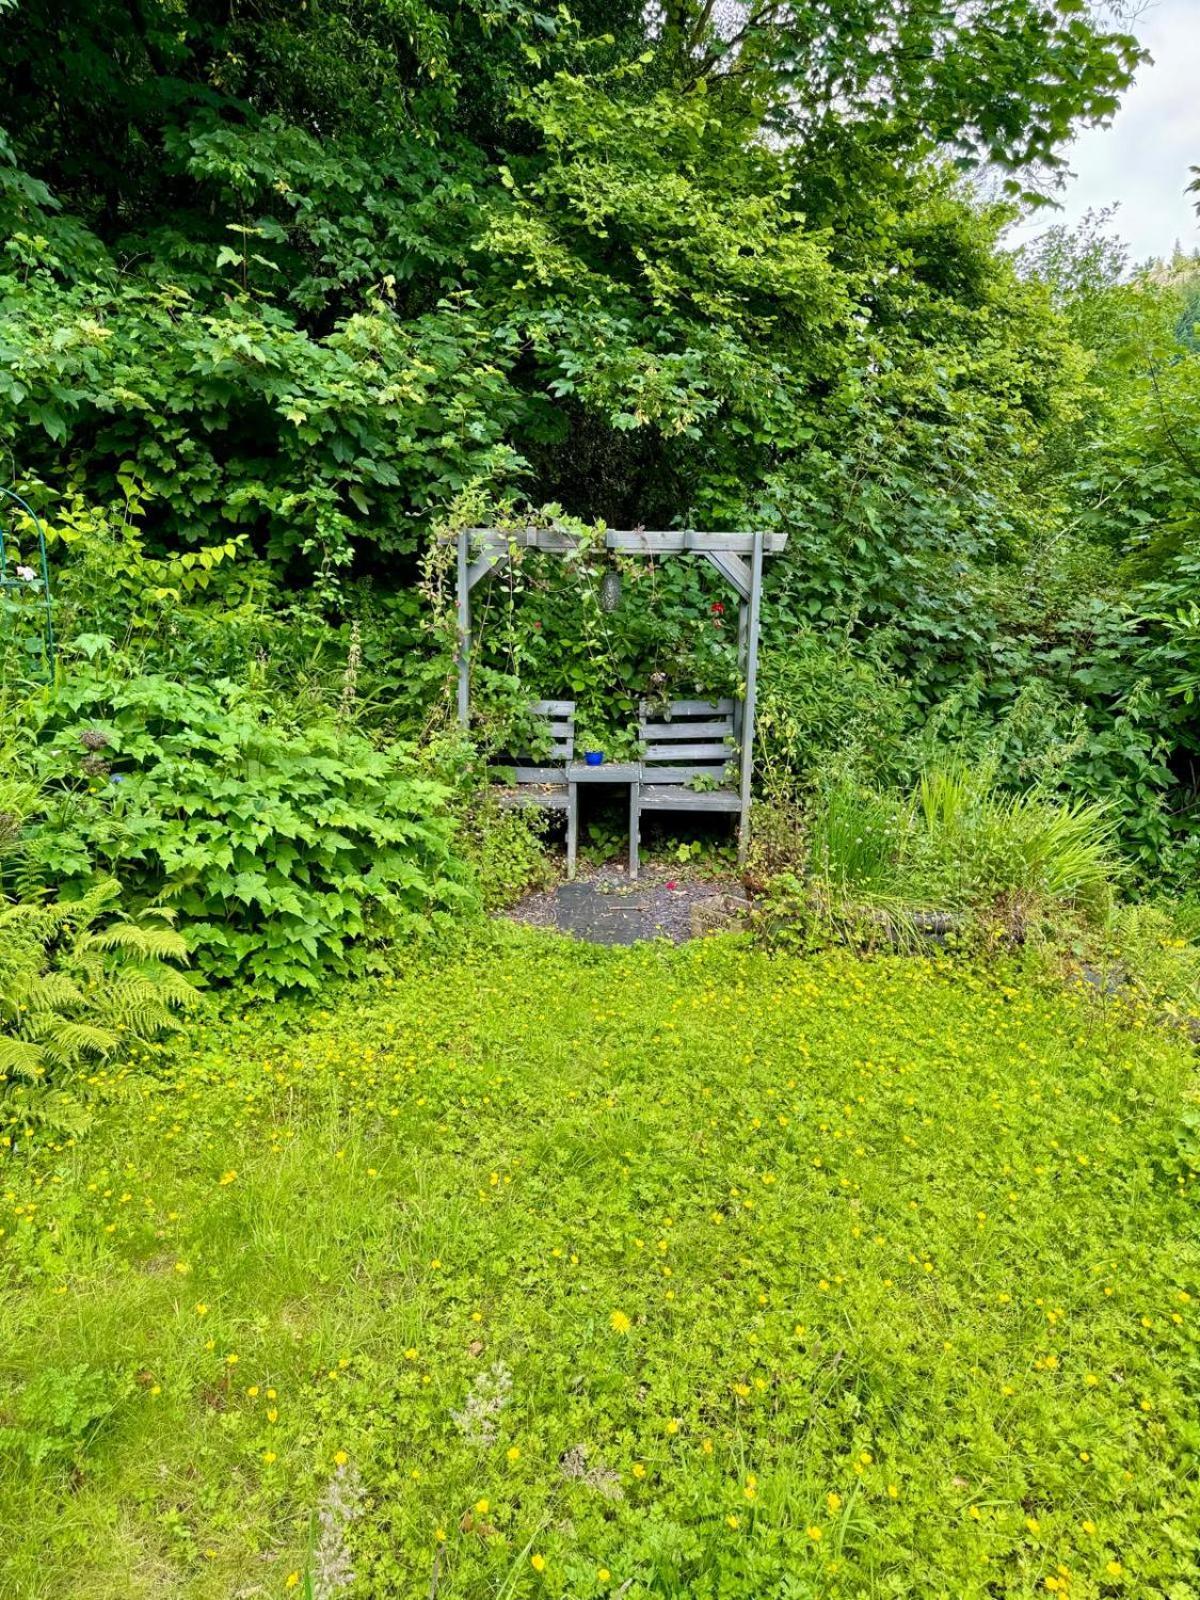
737	557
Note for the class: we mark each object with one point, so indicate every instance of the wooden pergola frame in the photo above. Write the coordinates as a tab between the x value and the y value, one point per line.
738	557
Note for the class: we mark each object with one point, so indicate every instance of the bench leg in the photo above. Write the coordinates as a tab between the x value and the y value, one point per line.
572	827
635	796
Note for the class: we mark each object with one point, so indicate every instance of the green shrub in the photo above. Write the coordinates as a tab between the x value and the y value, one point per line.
976	845
827	700
958	844
502	846
76	983
287	851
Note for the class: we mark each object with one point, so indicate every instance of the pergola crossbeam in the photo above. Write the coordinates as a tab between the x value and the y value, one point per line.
632	541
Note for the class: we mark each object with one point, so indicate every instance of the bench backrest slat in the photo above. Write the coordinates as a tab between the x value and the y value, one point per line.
692	736
558	718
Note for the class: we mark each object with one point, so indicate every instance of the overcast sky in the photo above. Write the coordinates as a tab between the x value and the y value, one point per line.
1142	159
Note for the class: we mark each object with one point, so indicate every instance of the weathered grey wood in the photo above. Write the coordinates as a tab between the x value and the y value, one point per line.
685	709
756	565
527	774
553	708
733	569
675	541
685	774
689	752
572	828
548	797
560	747
634	812
719	728
555	540
610	772
671	797
673	754
636	541
743	636
464	631
483	564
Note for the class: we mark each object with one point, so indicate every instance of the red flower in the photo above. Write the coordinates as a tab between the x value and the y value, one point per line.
718	608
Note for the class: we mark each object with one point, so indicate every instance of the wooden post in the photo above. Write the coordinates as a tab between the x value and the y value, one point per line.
464	630
743	638
635	818
572	827
747	742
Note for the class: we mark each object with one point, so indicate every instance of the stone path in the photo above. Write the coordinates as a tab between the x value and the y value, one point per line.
606	908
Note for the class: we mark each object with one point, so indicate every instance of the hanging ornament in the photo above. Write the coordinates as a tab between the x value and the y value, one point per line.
610	590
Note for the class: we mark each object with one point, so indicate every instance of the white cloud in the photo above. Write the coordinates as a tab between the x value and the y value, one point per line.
1141	161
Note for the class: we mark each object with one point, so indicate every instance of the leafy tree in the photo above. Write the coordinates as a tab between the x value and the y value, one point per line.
293	283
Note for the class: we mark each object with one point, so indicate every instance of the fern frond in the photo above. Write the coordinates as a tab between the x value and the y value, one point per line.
69	1040
167	914
137	1006
70	990
19	1058
175	991
161	944
44	991
55	1109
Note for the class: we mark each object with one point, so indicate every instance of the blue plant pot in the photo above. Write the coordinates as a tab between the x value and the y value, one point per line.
594	758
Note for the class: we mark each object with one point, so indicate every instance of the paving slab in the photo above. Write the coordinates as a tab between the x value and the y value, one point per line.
606	908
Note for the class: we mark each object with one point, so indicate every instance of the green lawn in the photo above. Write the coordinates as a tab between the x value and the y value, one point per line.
556	1271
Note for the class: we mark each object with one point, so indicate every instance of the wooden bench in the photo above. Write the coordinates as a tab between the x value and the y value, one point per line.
690	761
541	778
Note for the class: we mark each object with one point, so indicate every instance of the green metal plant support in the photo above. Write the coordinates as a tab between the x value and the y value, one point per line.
24	588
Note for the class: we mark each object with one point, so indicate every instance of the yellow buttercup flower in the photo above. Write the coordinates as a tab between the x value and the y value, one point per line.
620	1322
